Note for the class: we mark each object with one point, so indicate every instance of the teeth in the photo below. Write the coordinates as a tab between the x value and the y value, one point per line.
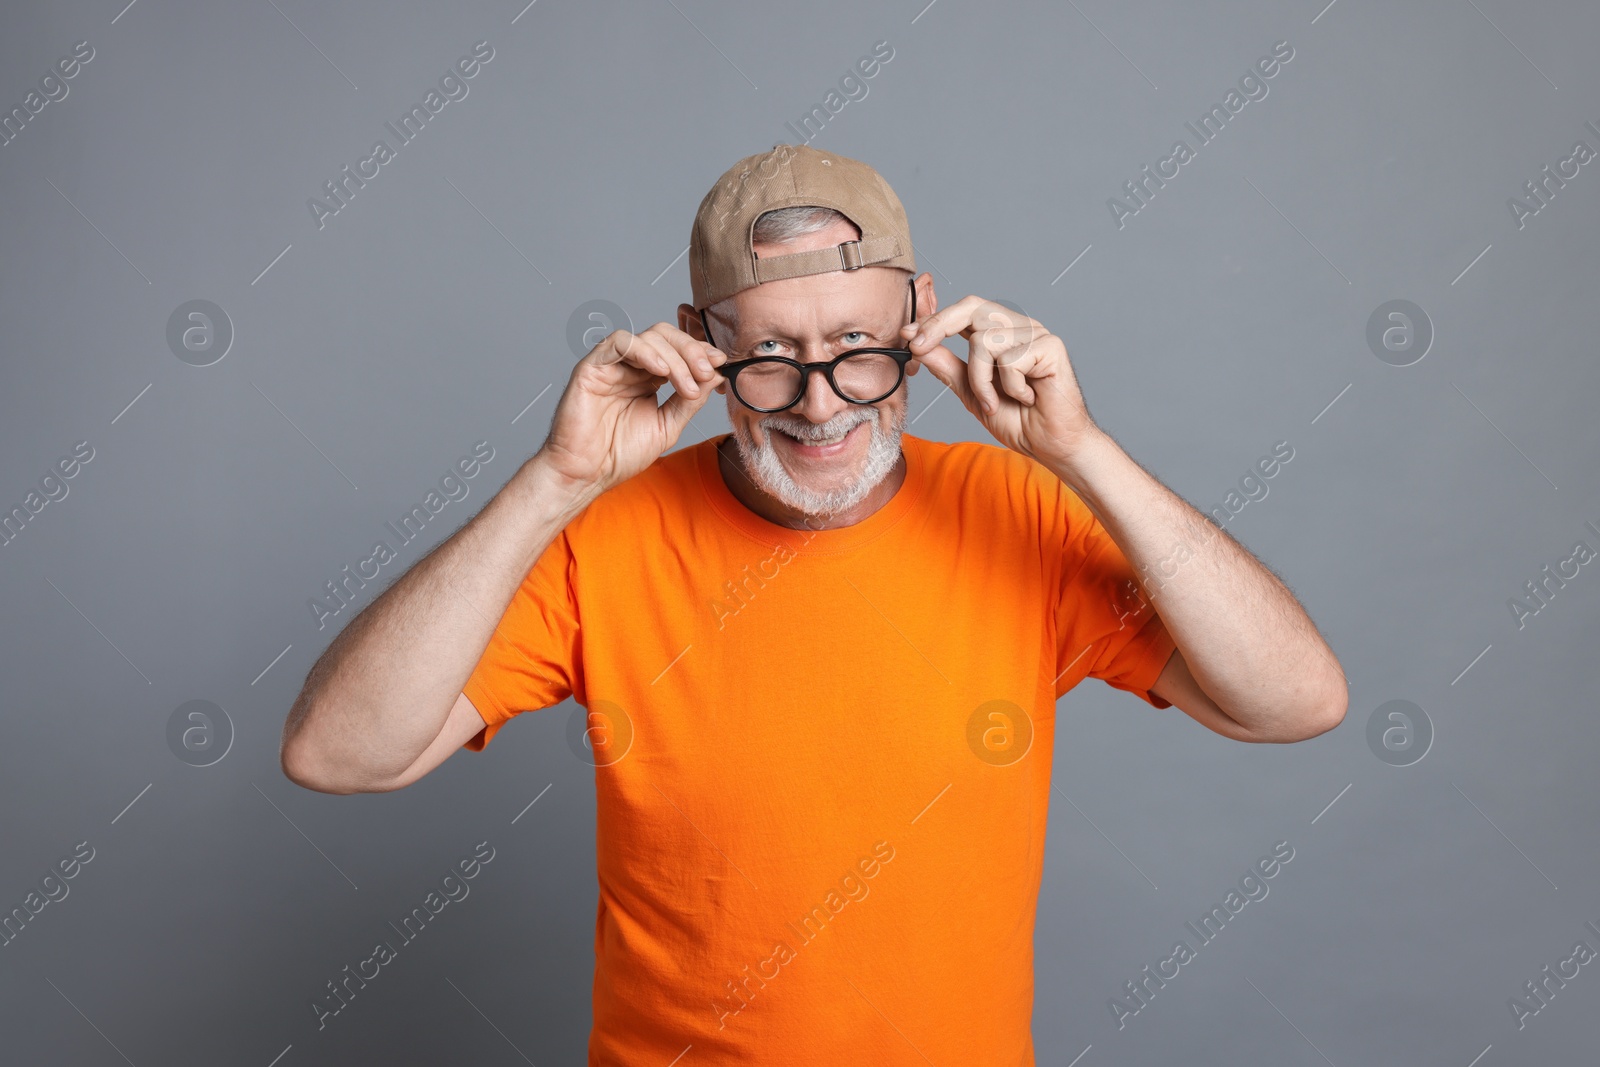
821	442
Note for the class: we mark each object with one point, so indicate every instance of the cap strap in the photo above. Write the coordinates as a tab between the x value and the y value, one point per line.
847	255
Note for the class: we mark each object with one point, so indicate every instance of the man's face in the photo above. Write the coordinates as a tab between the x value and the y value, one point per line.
823	455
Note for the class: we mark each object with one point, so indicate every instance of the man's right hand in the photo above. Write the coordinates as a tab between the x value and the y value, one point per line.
607	426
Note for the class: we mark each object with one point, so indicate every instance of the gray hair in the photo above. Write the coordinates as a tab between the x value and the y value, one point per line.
787	223
781	225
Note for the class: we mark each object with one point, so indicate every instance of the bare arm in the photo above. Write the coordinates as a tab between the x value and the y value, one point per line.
383	689
1249	663
383	705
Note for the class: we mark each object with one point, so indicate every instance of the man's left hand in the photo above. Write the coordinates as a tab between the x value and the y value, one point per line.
1017	379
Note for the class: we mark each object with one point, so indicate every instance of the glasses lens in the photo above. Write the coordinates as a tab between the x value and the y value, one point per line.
867	375
768	385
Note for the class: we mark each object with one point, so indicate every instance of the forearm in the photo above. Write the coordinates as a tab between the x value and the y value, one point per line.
382	690
1247	641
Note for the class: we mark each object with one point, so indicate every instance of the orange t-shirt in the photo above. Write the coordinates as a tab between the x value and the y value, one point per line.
823	758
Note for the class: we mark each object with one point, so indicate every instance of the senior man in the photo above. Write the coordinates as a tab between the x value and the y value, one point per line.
820	657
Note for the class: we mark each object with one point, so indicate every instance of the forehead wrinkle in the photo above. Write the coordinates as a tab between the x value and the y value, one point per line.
764	328
812	291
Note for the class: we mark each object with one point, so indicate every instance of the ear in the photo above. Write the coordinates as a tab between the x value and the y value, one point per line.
927	303
689	322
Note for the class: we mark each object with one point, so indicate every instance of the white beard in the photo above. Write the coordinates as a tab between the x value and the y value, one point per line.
761	461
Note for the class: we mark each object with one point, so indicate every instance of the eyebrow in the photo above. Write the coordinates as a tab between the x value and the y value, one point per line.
764	332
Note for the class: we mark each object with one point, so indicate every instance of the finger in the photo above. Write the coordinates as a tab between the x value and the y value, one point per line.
645	367
1006	337
1006	332
678	372
632	354
702	357
946	322
627	364
697	354
951	370
639	352
675	413
1015	382
1008	345
980	370
614	347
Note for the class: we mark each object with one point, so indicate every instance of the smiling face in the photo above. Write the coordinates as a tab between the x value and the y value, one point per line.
824	456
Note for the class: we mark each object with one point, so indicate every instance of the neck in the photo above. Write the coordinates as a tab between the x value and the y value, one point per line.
744	488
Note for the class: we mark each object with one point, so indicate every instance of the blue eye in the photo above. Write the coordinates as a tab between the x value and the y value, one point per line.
855	333
758	350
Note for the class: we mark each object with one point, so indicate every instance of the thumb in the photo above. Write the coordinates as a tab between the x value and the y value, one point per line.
950	369
676	411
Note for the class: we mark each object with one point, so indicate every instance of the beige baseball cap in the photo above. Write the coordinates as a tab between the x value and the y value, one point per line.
721	260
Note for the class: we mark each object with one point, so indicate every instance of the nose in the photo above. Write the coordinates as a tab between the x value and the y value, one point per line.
819	403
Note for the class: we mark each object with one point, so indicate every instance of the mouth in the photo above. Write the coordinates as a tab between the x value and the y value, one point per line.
808	448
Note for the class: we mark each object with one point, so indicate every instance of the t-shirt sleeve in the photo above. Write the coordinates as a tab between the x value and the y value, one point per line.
534	658
1105	626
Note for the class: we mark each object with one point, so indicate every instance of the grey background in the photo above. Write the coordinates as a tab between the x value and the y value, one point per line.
1224	317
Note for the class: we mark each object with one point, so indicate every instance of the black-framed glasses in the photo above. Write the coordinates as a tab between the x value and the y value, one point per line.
777	383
